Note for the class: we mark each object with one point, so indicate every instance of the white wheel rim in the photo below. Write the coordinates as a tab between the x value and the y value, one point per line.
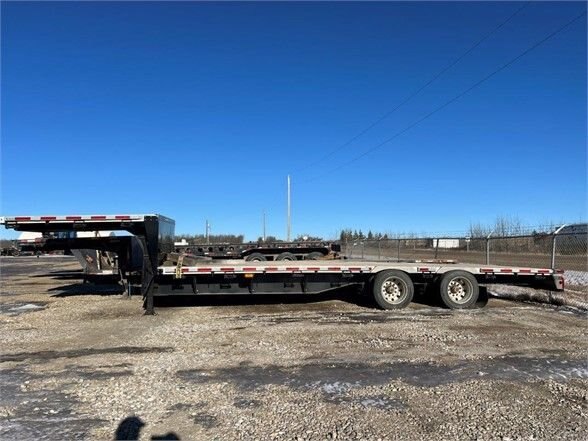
460	290
393	290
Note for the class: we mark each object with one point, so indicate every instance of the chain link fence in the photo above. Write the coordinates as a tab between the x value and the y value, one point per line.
565	248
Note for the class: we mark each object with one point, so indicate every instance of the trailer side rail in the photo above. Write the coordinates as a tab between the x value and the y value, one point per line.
375	267
11	221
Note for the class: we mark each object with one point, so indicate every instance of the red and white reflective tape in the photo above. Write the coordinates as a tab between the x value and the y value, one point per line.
188	270
69	218
263	270
517	271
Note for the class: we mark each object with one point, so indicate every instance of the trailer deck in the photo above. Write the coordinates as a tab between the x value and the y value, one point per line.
352	266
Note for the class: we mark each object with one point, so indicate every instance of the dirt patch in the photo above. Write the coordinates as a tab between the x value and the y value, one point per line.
336	378
42	413
43	356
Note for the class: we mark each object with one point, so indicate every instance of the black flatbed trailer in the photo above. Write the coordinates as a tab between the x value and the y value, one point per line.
165	272
264	251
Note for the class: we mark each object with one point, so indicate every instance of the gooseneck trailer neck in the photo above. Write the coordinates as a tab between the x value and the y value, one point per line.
163	272
154	235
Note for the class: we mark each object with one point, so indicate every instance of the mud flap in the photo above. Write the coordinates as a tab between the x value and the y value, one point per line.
482	298
148	277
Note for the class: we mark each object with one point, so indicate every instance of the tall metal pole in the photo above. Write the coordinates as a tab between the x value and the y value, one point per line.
263	225
207	231
289	228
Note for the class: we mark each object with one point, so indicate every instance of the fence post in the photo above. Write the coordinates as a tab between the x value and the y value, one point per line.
436	248
398	250
553	243
488	248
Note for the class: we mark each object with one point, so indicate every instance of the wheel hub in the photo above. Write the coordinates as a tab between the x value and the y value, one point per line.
393	290
459	290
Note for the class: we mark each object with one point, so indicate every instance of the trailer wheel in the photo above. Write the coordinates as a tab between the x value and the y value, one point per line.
286	256
393	289
315	255
459	290
256	257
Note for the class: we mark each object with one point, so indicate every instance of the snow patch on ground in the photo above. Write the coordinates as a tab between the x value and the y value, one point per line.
19	308
576	278
575	300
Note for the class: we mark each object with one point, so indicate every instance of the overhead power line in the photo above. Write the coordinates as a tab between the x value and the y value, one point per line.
455	98
419	90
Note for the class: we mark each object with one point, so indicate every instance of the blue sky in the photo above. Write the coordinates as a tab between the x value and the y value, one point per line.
200	110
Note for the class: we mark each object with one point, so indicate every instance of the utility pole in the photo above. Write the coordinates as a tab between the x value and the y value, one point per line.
289	227
207	232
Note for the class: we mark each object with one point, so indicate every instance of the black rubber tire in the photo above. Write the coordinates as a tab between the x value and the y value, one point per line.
468	281
315	255
286	256
403	282
256	257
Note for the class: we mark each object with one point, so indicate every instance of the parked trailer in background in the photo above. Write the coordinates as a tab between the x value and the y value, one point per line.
166	272
11	250
263	251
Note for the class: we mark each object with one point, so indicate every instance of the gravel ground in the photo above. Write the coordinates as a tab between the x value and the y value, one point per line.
79	360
